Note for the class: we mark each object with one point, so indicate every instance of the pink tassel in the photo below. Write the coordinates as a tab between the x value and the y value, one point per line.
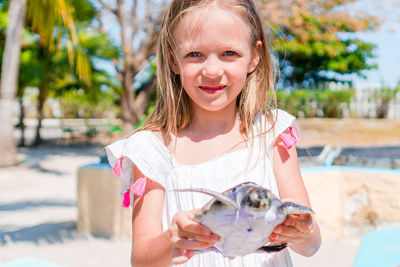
291	138
118	167
139	186
127	199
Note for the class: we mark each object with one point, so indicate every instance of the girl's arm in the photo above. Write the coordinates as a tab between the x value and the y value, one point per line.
301	232
153	247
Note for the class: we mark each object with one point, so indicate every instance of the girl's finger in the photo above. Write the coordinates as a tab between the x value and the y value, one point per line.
192	244
207	239
287	231
182	256
287	237
303	222
187	224
198	237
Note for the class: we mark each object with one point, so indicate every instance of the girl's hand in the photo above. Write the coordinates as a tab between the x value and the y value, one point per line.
187	235
293	230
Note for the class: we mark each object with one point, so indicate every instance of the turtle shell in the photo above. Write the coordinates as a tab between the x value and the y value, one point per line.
244	217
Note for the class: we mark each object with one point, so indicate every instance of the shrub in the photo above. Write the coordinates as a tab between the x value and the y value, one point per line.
383	97
79	105
331	102
301	103
314	103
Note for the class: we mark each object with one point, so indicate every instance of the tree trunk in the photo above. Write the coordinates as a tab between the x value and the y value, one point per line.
9	77
21	121
128	114
133	104
42	98
143	97
128	119
132	113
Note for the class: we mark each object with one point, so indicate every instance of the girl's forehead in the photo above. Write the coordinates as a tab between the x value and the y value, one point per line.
212	22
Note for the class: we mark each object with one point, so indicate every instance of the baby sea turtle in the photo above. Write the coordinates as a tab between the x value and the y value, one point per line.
244	217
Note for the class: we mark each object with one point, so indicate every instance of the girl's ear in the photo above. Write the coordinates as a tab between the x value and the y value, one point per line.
254	61
174	65
256	57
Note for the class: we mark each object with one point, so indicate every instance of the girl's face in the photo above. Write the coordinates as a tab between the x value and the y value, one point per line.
214	56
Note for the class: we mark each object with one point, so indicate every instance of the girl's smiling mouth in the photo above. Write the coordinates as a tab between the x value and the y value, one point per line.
212	89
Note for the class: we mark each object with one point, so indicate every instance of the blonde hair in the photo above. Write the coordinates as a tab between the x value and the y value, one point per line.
172	109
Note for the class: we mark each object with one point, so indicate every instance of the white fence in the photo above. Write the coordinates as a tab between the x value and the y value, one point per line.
365	103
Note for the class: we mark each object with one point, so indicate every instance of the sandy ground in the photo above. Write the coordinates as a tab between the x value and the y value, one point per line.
38	211
348	132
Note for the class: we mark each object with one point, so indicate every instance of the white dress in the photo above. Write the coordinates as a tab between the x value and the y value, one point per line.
153	159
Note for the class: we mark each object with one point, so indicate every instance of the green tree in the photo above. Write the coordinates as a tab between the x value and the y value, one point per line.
72	91
3	28
55	74
307	36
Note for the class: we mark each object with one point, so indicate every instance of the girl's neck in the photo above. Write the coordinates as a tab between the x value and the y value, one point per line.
208	124
209	136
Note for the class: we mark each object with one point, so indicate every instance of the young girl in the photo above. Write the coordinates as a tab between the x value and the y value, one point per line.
213	127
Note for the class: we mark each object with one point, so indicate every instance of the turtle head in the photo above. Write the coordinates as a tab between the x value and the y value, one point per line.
256	200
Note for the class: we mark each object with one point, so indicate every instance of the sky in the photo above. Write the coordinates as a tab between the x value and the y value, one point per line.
387	39
387	57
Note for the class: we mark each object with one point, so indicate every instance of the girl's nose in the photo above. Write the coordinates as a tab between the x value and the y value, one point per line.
212	68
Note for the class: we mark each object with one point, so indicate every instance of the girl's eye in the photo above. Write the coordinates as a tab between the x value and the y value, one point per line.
194	54
229	53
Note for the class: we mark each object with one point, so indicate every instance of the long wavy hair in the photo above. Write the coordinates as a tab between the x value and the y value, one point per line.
173	109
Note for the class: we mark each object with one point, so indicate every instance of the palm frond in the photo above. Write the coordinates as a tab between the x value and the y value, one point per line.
49	18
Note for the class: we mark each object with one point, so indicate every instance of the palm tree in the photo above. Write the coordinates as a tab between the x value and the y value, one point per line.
90	44
46	17
8	84
56	77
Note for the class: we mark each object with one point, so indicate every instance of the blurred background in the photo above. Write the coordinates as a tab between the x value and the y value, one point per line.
77	75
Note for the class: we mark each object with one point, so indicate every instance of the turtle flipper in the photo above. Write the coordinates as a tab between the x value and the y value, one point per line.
218	196
272	248
293	208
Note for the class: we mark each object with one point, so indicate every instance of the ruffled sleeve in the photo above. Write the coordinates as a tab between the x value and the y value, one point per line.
284	121
141	150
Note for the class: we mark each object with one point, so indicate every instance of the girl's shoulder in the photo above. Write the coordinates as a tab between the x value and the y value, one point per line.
279	122
138	141
147	138
284	120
